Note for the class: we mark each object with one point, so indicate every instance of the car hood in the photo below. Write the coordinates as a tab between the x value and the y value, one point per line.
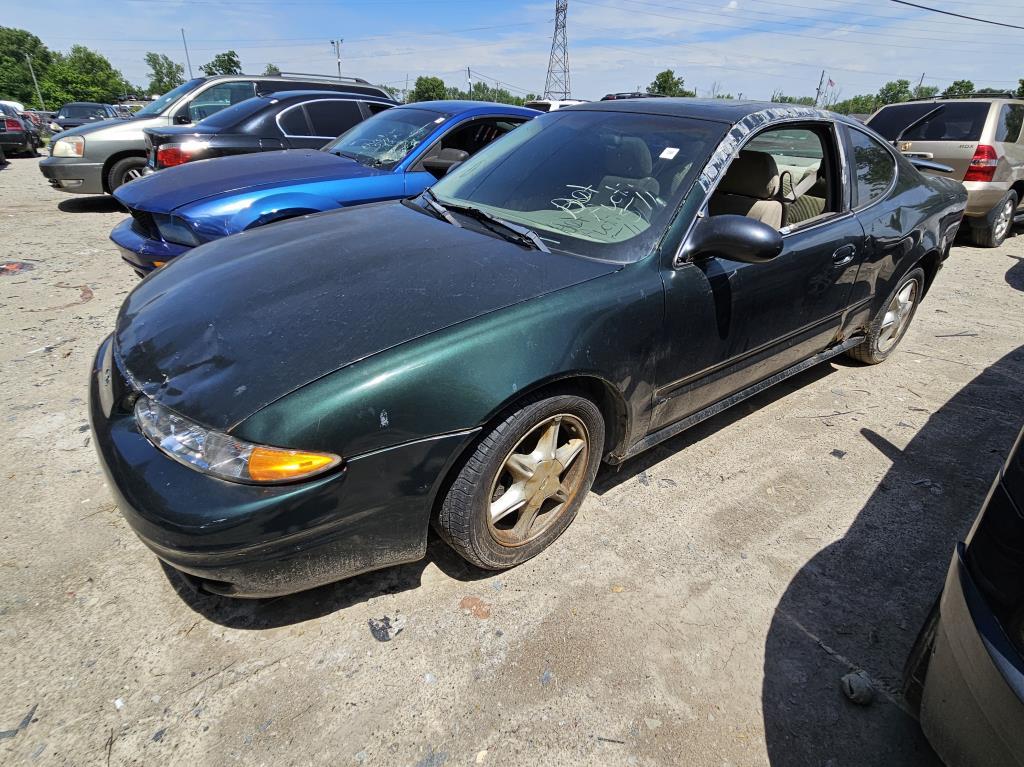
238	323
171	188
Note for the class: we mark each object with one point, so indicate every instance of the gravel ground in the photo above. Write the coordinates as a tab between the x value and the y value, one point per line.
700	611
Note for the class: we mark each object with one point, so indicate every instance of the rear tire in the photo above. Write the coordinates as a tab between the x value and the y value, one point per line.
890	324
523	484
124	171
992	236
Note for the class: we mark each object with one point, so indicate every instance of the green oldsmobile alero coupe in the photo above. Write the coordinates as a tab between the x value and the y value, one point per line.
297	404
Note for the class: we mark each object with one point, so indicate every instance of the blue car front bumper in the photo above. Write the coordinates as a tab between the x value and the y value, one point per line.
142	253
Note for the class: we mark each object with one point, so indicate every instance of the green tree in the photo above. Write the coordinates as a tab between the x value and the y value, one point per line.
226	63
164	74
271	69
780	98
428	89
15	78
959	88
81	75
894	92
667	84
864	104
1020	90
925	91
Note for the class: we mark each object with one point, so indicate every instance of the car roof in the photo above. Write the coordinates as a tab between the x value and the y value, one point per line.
729	111
454	107
85	104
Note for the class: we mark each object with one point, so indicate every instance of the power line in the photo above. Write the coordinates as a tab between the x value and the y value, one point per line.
958	15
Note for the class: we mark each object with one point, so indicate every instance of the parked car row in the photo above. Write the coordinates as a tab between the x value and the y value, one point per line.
19	133
493	301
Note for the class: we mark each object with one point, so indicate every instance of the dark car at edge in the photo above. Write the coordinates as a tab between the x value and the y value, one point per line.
300	403
966	671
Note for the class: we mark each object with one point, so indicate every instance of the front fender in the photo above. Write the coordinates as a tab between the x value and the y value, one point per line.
458	378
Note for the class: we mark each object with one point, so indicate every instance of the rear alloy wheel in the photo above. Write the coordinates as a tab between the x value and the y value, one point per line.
992	236
890	325
524	483
125	171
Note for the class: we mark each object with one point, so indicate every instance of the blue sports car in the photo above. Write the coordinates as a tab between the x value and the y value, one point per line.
396	153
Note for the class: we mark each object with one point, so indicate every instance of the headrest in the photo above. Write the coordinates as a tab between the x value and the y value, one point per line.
630	159
752	174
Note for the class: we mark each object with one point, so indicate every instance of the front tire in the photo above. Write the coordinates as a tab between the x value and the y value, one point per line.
992	236
524	482
124	171
890	325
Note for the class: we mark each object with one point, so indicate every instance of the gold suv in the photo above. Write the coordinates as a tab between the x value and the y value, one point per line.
979	137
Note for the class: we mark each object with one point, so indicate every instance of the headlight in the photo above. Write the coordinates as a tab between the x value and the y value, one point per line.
174	229
222	455
55	127
69	146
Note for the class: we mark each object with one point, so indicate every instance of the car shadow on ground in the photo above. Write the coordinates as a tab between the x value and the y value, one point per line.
859	602
91	204
258	614
1015	274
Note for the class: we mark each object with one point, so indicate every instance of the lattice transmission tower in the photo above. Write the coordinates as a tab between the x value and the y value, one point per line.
557	85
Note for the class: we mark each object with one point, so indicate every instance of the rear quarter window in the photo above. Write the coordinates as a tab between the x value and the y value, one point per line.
955	121
1011	117
873	166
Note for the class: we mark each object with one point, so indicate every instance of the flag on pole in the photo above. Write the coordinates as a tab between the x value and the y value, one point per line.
830	83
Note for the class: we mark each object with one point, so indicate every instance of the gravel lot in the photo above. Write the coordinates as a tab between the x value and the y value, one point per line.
701	610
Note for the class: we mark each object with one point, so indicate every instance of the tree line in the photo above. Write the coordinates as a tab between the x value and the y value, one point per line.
82	74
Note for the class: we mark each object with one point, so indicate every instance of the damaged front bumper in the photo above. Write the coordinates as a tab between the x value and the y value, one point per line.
258	540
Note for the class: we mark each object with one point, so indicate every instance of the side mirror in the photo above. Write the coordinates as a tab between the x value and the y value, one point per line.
443	162
183	117
736	238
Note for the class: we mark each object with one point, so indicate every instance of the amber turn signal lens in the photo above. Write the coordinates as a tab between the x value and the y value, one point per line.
267	464
158	264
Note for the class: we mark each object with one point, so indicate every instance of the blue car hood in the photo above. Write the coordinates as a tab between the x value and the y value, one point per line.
236	324
169	189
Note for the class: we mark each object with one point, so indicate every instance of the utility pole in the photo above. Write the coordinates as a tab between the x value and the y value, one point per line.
469	83
557	86
920	84
405	93
187	59
337	52
817	94
35	82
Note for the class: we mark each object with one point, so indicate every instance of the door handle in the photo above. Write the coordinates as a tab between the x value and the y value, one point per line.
844	255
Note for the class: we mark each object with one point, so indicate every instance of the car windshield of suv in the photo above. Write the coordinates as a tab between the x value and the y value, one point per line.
384	140
955	121
158	106
600	184
234	114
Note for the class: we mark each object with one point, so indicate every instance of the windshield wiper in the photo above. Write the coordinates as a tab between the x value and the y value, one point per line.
440	210
508	230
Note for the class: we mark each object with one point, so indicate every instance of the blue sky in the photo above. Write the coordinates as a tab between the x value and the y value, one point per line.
753	47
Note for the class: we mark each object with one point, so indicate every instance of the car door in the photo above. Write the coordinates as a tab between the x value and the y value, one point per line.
731	324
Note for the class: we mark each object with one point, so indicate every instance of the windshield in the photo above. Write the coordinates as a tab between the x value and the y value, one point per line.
955	121
83	111
234	114
168	98
385	139
600	184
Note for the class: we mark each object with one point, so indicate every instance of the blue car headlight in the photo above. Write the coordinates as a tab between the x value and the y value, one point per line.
175	229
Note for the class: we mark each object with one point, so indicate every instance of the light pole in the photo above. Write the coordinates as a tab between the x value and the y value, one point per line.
187	59
337	52
35	82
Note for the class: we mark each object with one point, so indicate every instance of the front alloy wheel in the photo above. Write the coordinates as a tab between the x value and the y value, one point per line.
524	482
